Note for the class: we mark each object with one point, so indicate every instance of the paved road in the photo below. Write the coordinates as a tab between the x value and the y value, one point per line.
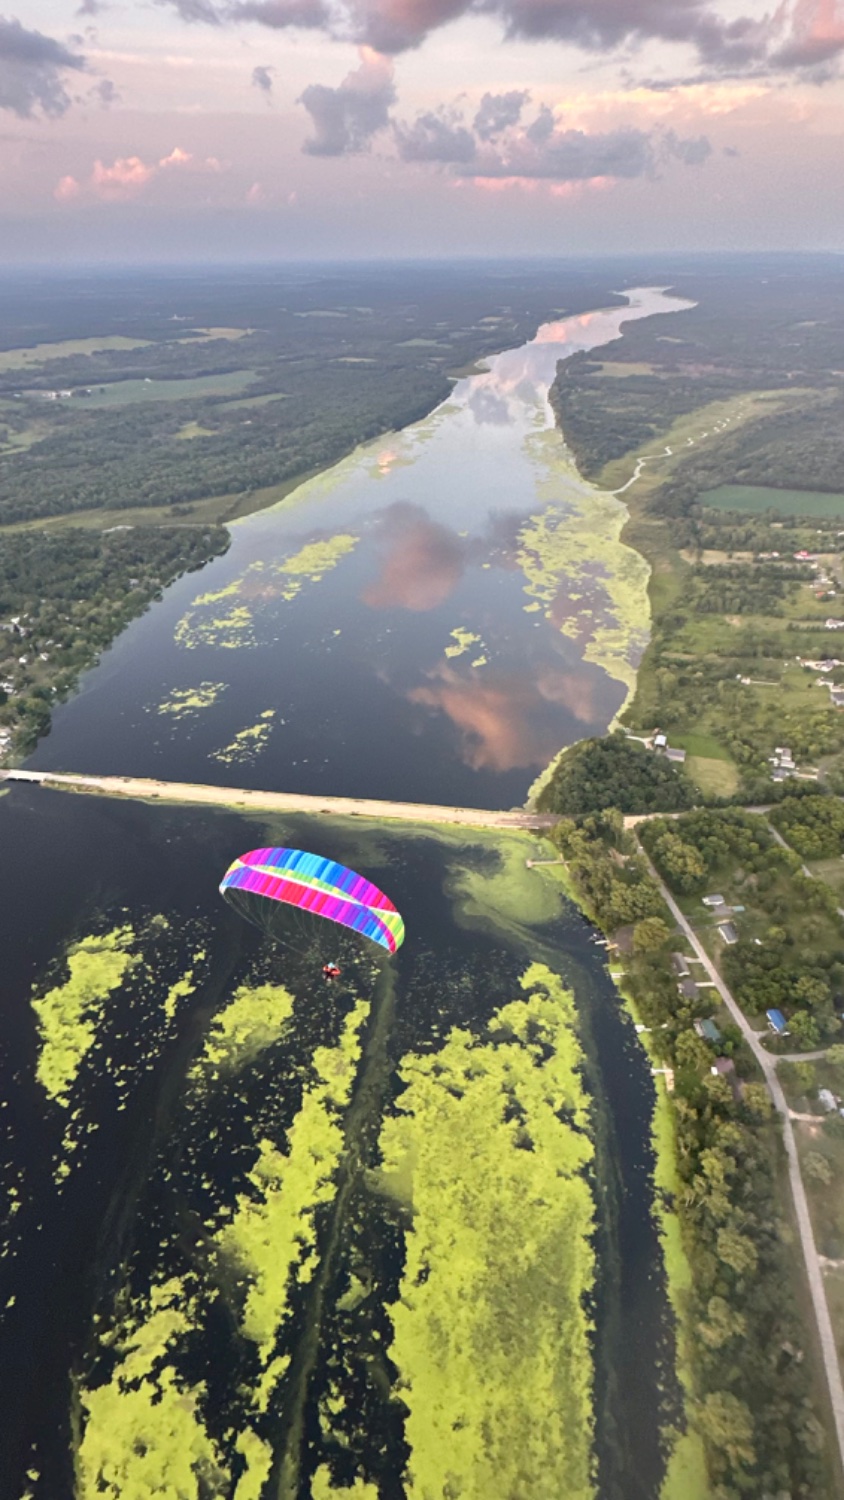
768	1066
223	796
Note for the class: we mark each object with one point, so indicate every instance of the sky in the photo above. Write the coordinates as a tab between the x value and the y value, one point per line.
184	130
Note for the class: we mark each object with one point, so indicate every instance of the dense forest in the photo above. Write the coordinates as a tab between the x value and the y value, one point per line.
614	772
321	362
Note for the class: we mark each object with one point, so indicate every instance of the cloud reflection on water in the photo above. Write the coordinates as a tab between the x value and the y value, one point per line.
422	561
508	721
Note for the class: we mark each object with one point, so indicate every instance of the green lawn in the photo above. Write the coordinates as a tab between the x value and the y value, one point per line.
703	745
716	776
758	498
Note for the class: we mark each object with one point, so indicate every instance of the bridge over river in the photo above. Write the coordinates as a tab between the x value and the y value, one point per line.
252	801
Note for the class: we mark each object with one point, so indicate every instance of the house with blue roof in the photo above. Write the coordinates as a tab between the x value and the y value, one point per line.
777	1022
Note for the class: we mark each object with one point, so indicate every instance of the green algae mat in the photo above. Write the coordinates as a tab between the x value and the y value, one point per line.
341	1238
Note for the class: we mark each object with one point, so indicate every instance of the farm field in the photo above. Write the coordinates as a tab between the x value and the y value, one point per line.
757	498
183	388
42	354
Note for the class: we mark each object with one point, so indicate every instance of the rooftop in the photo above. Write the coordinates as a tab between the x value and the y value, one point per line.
708	1030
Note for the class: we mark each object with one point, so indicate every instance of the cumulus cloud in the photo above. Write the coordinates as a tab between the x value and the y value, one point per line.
32	71
123	179
127	176
572	156
346	118
542	149
498	111
815	37
435	136
262	78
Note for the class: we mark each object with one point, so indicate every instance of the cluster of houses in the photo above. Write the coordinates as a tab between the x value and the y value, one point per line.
707	1029
83	390
722	913
825	665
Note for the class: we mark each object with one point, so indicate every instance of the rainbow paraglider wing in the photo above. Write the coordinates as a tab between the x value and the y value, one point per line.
314	884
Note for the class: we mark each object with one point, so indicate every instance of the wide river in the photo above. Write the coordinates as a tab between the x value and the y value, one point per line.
432	621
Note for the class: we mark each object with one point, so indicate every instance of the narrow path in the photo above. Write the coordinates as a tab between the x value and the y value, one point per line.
768	1065
236	797
668	452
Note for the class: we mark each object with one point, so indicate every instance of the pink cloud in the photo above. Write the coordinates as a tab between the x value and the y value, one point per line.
540	185
129	175
817	33
66	188
177	158
123	179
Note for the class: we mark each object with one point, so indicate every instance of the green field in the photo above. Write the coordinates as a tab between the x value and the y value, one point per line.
41	354
759	498
128	392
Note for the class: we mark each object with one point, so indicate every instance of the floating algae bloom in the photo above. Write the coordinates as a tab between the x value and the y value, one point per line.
151	1427
491	1339
313	562
258	585
229	631
188	703
143	1433
463	639
579	545
69	1014
248	743
253	1020
272	1234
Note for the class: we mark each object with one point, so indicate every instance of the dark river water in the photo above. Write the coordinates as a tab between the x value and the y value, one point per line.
331	679
463	610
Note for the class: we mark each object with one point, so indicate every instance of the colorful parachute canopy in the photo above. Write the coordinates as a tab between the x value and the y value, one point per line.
320	886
